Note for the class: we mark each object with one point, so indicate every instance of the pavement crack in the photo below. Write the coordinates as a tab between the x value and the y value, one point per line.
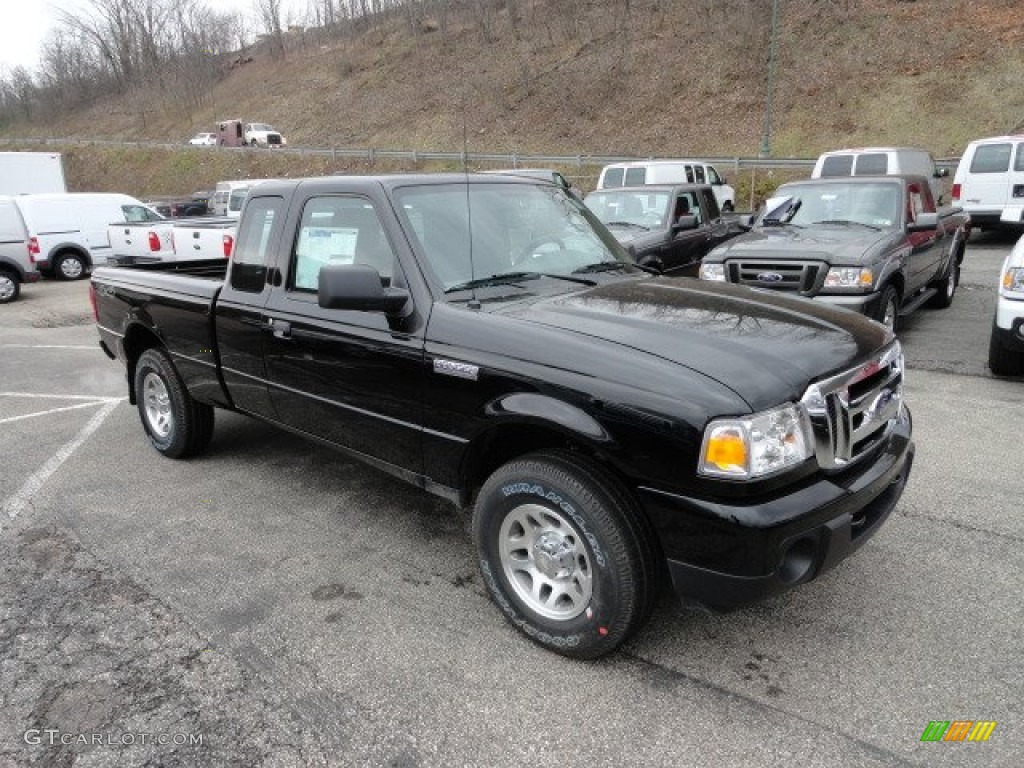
964	526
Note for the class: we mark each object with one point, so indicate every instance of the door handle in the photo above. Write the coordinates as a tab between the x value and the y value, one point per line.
281	329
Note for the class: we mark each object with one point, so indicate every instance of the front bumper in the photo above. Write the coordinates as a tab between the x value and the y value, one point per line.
728	554
866	304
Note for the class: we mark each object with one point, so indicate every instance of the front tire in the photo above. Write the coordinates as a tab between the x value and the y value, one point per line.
1002	359
889	308
69	266
946	286
176	424
565	552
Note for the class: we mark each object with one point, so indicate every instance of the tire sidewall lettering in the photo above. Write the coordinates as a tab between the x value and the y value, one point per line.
555	498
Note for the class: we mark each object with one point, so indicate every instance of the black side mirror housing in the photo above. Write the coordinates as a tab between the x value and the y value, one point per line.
684	222
941	173
358	287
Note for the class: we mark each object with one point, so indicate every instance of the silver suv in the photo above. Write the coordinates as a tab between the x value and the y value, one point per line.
16	263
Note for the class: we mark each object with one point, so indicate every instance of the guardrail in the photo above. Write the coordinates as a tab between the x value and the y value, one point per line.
587	165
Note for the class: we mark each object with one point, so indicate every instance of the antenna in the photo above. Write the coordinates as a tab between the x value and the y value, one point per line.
474	303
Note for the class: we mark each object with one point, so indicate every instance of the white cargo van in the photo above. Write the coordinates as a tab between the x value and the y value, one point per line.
16	263
882	161
643	172
989	181
67	234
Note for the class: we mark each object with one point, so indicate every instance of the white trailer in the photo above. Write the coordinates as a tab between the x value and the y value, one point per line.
23	173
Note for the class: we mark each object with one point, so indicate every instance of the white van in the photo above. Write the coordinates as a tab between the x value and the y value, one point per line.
67	233
989	181
16	264
642	172
882	161
229	196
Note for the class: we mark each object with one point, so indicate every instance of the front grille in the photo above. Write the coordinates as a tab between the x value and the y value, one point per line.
803	277
854	411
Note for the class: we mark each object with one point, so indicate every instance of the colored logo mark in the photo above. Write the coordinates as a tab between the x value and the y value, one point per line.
958	730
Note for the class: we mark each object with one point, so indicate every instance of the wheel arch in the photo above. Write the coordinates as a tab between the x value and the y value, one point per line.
137	339
73	248
525	423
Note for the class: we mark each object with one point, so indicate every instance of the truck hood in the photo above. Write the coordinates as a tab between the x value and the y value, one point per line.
835	244
764	346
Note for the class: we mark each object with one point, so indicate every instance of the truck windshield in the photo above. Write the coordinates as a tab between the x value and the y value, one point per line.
645	209
505	228
877	205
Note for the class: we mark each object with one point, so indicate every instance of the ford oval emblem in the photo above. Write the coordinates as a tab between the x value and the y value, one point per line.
880	405
769	277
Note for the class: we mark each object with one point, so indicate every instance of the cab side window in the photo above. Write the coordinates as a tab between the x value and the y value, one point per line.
339	229
251	258
713	177
138	213
698	172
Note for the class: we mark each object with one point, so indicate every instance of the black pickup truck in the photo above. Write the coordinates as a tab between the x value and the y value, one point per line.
875	244
666	227
488	340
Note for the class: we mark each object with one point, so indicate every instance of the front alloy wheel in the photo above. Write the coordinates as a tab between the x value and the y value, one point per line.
565	553
545	561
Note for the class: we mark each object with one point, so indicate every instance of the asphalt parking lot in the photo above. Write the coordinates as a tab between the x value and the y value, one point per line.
274	603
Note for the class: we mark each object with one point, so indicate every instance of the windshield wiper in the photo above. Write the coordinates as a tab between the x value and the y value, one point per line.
626	224
511	278
848	222
608	266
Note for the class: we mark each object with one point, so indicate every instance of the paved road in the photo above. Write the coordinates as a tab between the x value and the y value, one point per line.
273	603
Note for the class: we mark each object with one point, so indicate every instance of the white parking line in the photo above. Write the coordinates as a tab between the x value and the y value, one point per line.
14	505
93	398
9	419
49	346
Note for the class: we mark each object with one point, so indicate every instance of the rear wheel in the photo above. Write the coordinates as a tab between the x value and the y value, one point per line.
565	553
69	266
176	424
10	286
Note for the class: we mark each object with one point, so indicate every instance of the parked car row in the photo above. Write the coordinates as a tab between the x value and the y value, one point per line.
61	235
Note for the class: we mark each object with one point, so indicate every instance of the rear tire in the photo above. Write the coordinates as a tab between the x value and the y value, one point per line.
10	286
176	424
1003	360
566	553
69	266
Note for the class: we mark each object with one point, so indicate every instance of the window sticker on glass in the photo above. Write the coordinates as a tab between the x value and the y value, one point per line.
318	246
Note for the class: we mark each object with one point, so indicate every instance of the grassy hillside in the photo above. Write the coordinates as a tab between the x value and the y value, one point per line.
644	78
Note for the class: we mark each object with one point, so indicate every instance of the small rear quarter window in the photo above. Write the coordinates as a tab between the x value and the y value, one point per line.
837	165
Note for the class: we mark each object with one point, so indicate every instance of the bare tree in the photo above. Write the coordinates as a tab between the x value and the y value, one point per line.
269	13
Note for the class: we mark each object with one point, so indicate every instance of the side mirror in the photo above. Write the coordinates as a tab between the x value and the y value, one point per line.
745	221
358	287
684	223
941	173
924	221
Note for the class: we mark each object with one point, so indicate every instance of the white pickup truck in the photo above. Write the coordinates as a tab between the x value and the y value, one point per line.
186	240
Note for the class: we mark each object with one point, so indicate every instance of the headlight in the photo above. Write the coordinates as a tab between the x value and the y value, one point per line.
712	272
1013	280
758	445
849	277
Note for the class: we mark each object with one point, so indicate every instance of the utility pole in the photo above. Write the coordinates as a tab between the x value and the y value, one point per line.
766	135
